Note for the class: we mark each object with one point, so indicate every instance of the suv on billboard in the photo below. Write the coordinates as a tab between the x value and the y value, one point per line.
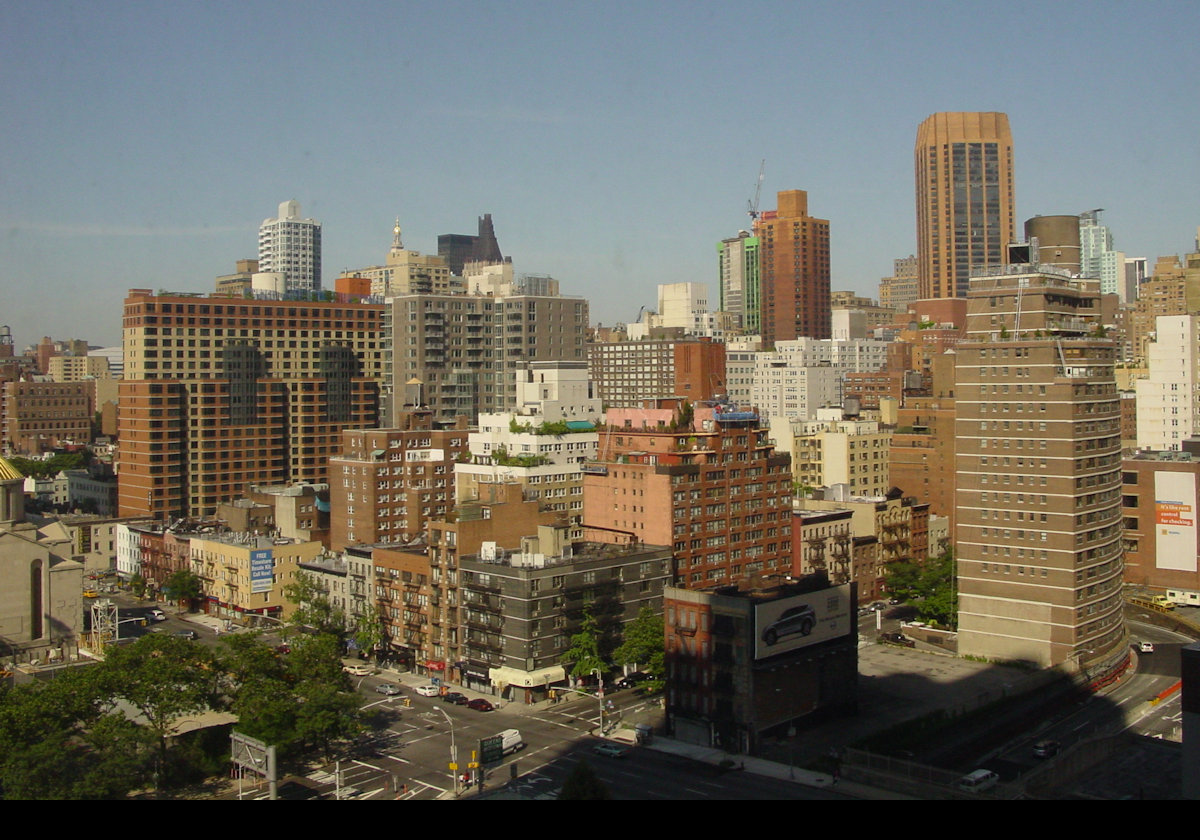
800	619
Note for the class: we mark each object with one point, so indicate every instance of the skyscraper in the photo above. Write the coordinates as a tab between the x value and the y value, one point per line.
738	280
794	271
965	204
291	246
1038	516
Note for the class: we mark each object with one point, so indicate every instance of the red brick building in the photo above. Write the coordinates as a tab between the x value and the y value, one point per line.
727	491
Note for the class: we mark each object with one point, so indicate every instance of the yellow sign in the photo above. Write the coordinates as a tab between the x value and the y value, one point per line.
453	765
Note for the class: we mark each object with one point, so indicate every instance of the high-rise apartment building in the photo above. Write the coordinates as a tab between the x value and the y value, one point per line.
794	278
387	484
459	353
965	204
738	281
1168	399
711	485
291	246
222	393
899	290
1038	519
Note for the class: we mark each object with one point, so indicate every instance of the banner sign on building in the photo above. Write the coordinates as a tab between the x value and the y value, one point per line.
1175	521
262	570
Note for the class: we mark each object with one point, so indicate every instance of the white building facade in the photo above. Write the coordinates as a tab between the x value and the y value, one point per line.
291	246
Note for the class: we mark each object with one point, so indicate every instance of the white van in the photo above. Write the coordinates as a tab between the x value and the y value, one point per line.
978	781
512	741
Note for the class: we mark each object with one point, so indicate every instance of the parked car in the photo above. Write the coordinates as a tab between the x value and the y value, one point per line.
800	619
455	697
388	689
358	670
480	705
610	750
427	690
634	679
1046	749
897	639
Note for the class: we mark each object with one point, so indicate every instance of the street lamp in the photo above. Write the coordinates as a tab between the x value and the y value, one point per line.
453	749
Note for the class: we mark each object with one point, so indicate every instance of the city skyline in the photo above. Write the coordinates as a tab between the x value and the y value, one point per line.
573	139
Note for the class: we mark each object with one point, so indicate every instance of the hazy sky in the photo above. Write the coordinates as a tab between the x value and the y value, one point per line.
613	143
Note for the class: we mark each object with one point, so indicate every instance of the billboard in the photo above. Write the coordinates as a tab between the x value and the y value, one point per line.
1175	520
798	621
262	570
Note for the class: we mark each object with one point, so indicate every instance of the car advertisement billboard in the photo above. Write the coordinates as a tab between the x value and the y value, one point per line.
792	623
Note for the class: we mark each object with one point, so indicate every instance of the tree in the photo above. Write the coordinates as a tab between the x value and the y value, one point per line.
164	678
60	744
584	652
368	635
929	586
313	607
643	642
584	784
183	585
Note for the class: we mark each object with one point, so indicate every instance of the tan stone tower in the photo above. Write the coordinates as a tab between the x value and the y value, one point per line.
965	204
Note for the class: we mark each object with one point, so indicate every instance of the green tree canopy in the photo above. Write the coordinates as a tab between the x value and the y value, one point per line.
183	585
313	607
584	653
643	642
929	586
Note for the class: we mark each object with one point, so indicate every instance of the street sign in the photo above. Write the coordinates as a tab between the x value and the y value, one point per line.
491	750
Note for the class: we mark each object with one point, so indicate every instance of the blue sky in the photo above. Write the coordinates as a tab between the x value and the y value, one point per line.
613	143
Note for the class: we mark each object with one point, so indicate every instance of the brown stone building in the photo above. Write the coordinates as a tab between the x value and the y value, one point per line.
1038	519
41	416
387	484
794	274
1160	494
756	659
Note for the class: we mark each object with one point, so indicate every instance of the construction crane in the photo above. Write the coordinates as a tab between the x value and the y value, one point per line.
752	206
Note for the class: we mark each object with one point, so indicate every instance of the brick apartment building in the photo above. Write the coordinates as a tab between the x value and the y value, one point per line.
728	492
387	484
222	393
1038	520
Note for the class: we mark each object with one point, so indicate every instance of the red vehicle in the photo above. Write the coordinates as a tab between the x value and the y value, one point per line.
480	705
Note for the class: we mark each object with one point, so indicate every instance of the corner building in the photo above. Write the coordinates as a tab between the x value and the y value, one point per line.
1038	453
